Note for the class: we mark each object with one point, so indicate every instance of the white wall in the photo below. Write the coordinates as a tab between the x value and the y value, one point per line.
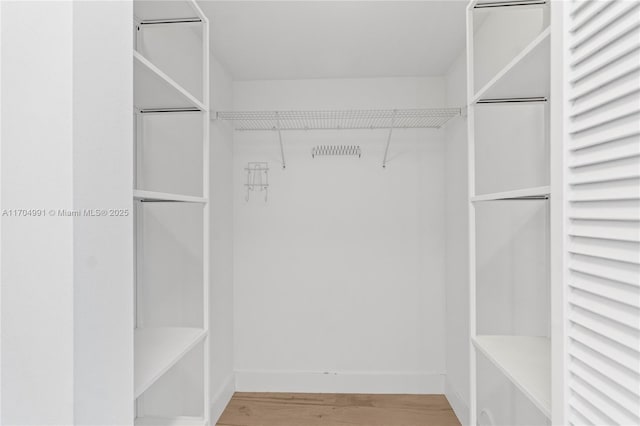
457	271
103	246
67	317
221	198
37	253
339	276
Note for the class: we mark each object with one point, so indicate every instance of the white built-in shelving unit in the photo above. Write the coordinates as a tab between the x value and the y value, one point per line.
522	354
172	214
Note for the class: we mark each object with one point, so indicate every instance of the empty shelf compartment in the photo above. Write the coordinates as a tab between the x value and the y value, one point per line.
526	361
157	349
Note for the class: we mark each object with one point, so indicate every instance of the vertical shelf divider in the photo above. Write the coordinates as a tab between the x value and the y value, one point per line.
206	123
471	193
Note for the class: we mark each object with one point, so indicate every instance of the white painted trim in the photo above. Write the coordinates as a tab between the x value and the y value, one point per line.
221	398
471	213
460	406
206	242
559	86
336	382
1	223
170	421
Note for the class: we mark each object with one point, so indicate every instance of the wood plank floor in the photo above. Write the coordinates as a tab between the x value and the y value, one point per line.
288	409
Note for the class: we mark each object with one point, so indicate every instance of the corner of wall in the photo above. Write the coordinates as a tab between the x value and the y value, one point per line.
221	321
456	276
221	398
460	407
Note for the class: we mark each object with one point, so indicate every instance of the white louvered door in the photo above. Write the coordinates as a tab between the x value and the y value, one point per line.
602	157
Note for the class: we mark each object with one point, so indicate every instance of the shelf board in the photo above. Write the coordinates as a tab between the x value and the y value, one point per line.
526	76
154	90
526	361
518	194
141	195
175	421
157	349
162	10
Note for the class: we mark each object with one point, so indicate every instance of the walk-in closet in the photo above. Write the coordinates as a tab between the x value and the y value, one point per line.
320	213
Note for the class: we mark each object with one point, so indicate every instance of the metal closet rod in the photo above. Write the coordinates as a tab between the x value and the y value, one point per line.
523	198
161	201
512	100
169	21
165	110
532	197
509	3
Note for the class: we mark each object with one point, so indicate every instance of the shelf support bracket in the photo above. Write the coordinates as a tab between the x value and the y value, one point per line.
386	150
284	164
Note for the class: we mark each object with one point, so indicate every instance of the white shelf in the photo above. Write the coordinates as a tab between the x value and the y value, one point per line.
160	10
154	90
527	193
176	421
340	119
164	196
526	76
526	361
157	349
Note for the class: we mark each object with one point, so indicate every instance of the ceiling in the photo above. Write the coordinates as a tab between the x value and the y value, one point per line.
277	40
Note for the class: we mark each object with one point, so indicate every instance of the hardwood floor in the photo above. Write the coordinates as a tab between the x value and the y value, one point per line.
288	409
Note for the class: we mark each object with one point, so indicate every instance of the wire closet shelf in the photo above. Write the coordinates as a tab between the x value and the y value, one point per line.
340	119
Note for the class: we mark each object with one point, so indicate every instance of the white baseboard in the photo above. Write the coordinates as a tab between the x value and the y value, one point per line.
319	382
460	407
222	397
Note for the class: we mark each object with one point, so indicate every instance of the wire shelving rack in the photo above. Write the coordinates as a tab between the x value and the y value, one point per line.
340	119
390	119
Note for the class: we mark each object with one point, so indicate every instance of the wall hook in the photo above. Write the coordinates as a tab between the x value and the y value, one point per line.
257	179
